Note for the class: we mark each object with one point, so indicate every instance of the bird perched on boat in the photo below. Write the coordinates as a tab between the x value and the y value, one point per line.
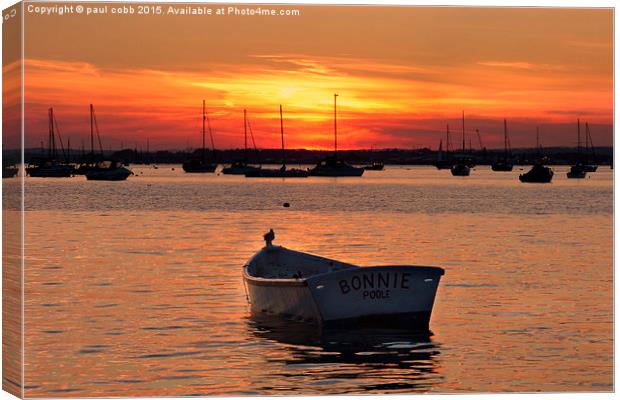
269	237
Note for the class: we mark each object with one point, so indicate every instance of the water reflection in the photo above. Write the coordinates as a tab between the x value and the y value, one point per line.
384	360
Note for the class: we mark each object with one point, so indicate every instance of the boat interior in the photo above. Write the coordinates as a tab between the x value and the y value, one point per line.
276	262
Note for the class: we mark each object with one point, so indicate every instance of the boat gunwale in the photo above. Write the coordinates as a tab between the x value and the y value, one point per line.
304	281
273	281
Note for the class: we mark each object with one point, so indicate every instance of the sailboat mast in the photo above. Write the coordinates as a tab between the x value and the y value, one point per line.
204	118
52	145
589	137
463	131
538	141
92	137
282	137
505	139
578	137
245	136
335	129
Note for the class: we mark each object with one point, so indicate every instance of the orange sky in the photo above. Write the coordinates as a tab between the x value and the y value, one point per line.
402	74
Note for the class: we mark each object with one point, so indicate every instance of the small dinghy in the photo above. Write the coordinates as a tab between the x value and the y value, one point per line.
305	287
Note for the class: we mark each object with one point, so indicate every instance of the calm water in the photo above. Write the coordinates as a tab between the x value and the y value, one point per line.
134	288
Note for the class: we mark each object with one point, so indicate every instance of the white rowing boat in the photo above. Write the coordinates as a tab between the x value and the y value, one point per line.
315	289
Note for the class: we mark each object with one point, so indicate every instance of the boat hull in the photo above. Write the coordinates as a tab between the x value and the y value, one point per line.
590	167
443	165
50	172
501	167
192	168
277	173
336	172
538	174
291	300
460	170
389	296
241	170
117	174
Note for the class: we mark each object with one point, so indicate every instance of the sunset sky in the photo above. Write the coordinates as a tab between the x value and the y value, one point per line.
402	74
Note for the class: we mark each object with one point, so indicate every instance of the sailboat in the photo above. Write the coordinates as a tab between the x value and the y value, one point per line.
242	167
281	172
50	167
461	168
104	170
200	165
577	171
539	173
504	164
89	160
332	166
588	166
444	163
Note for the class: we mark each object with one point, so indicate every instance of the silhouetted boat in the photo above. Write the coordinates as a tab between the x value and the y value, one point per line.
9	171
443	160
44	168
538	174
463	166
460	169
504	164
201	165
315	289
50	167
241	167
375	166
332	166
281	172
577	171
108	170
89	160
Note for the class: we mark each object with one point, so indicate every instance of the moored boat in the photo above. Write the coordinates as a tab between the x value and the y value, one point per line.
283	171
315	289
460	169
50	167
504	164
242	167
538	174
108	170
200	164
463	166
576	172
44	168
332	166
443	160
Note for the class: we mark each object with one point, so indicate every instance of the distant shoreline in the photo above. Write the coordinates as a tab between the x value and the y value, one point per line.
423	156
